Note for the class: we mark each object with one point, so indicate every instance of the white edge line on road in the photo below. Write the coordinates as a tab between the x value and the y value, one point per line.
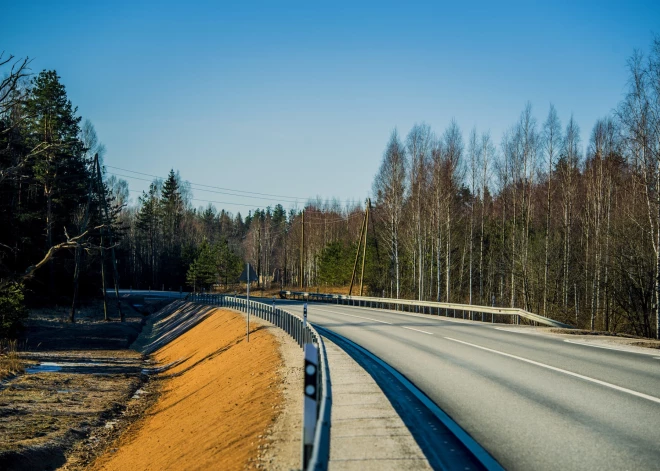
375	320
470	443
353	315
520	331
575	342
566	372
458	320
417	330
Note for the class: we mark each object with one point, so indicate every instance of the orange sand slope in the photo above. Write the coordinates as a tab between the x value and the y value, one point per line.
215	405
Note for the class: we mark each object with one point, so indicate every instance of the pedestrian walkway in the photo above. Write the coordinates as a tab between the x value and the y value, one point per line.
367	433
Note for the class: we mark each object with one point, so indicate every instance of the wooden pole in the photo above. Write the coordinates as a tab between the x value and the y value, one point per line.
364	247
105	297
76	273
357	254
112	247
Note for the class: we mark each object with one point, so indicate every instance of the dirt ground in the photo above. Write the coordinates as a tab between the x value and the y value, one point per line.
216	407
281	452
203	400
78	376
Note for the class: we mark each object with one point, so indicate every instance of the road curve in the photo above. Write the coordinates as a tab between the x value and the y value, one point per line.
532	401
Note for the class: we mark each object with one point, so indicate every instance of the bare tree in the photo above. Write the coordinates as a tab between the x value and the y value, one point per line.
452	159
551	146
11	96
640	117
390	190
568	177
418	145
474	153
487	155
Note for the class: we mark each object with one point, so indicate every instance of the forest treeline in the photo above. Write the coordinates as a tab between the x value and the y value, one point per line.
538	220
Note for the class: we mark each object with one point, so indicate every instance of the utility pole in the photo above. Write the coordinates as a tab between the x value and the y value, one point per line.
106	220
357	253
302	250
76	273
364	248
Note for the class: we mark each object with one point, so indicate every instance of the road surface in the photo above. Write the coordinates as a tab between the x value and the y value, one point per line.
532	401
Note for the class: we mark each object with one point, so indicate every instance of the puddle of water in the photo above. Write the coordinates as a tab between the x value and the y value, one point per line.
137	305
45	367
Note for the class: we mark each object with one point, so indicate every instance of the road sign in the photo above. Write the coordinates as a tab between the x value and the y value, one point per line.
244	275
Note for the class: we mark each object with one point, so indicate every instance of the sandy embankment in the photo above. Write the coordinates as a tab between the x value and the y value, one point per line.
216	406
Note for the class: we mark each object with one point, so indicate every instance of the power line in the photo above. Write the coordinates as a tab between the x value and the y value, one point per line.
209	201
295	198
208	191
340	219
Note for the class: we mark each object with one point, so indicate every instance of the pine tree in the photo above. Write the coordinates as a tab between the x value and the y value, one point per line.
203	273
172	210
149	223
59	168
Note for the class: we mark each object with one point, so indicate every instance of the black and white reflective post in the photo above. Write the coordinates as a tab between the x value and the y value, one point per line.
305	316
310	406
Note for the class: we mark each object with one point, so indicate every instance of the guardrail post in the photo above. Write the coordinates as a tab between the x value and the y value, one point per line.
310	408
305	316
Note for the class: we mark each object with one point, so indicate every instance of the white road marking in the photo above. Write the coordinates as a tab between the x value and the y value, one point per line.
417	330
657	358
353	315
374	320
559	370
608	348
477	450
517	331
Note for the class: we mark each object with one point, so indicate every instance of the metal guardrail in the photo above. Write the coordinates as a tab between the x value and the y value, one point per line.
303	333
423	306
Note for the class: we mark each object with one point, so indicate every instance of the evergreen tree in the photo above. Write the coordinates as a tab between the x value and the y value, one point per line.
229	264
58	167
172	212
149	223
202	273
171	205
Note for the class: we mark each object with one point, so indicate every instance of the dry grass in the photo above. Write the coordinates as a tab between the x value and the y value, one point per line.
10	363
647	344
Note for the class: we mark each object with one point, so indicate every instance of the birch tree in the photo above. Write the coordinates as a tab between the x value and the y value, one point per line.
390	190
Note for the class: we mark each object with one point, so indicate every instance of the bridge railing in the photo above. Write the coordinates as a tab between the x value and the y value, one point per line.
303	333
488	313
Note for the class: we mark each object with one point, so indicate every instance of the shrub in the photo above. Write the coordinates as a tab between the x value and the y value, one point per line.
12	310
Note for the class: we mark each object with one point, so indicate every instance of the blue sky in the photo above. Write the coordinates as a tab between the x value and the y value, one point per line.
300	99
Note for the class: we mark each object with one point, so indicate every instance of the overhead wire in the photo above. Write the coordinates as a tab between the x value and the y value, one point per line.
234	190
204	190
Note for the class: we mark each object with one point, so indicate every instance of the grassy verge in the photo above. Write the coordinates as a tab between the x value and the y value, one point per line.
10	363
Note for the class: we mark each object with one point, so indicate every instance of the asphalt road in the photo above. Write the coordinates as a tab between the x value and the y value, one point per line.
534	402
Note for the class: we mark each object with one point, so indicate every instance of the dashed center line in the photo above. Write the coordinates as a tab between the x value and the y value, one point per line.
417	330
353	315
566	372
374	320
